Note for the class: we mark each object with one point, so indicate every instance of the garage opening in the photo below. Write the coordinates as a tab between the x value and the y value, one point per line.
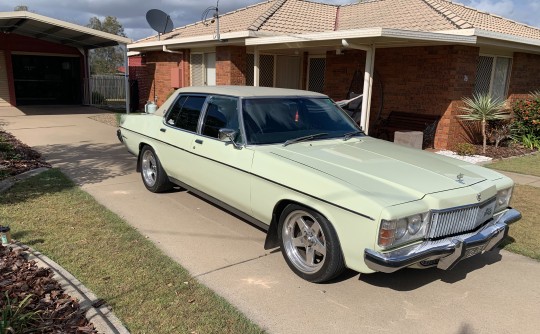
43	80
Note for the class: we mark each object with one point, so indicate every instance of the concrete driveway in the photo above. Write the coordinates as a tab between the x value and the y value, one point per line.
492	293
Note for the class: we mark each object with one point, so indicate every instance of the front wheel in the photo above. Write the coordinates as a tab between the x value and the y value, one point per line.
309	244
154	177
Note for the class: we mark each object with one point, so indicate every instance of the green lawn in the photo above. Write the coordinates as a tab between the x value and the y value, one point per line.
529	164
524	236
147	290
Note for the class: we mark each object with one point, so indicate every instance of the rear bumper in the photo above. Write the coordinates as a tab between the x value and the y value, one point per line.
444	253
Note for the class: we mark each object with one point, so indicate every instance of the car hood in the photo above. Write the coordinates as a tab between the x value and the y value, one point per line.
393	173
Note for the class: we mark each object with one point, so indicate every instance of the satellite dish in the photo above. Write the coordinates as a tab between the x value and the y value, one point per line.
159	21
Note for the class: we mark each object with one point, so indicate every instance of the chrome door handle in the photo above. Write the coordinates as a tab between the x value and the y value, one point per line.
198	141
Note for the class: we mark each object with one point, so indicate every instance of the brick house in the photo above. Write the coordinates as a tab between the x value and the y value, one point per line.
419	56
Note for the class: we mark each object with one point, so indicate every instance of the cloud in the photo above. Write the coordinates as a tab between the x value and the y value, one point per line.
517	10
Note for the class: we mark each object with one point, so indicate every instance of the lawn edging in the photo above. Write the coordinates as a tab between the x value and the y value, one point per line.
96	312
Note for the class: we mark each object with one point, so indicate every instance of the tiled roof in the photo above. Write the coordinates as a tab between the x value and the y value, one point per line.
303	16
396	14
486	21
238	20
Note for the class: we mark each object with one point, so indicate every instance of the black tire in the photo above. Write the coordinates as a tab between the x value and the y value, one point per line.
154	177
304	234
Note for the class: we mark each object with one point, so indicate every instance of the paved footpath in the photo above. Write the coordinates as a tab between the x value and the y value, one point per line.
491	293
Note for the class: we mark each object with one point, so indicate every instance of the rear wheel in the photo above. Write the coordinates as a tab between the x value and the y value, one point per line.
154	177
309	244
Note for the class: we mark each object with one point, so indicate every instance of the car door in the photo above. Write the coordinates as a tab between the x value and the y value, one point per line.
223	170
176	136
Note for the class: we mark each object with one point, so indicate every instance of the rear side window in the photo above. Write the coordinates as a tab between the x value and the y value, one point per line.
185	112
221	112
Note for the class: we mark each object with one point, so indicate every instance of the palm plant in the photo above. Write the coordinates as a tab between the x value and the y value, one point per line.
483	108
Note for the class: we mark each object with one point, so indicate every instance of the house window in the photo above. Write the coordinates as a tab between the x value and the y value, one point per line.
316	69
203	69
492	76
281	71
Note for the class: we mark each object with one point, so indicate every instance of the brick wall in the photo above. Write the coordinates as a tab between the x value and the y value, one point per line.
231	62
425	80
152	70
525	76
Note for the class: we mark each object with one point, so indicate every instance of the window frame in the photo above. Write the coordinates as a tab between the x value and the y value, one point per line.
187	95
495	57
202	117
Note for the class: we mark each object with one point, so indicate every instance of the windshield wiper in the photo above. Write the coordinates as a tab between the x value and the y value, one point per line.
299	139
349	135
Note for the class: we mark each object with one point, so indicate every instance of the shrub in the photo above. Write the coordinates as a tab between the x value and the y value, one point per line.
97	98
483	108
527	122
465	149
499	130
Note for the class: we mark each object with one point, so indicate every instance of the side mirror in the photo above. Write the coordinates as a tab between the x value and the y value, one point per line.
228	136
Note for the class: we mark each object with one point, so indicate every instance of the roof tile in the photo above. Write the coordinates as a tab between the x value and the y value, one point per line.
303	16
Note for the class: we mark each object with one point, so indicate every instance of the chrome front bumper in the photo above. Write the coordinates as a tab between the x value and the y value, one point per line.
445	253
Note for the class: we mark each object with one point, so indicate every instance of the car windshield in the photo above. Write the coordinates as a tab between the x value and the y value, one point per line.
281	119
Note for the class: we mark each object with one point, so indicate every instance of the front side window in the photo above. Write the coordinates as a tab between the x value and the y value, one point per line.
221	112
276	120
185	112
492	76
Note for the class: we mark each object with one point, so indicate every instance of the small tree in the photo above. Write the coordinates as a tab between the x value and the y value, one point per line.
20	8
106	60
483	108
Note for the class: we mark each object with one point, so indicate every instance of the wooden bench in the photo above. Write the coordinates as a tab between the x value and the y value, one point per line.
403	121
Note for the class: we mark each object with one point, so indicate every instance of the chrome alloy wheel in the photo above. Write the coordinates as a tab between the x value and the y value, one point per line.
149	168
304	241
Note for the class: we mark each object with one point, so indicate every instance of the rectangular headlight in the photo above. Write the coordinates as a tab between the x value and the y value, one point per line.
399	231
503	199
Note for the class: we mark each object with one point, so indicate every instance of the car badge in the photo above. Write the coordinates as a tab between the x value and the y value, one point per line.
479	197
460	178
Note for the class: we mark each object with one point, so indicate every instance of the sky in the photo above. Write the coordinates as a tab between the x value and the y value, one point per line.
132	13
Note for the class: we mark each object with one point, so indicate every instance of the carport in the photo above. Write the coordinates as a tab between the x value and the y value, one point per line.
45	60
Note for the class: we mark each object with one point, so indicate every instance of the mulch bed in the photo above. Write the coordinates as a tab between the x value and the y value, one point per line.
503	151
55	311
16	157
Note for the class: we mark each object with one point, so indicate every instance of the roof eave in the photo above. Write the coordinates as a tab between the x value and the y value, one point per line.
65	25
363	34
199	41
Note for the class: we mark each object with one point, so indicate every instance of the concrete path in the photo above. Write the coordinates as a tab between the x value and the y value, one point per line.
492	293
529	180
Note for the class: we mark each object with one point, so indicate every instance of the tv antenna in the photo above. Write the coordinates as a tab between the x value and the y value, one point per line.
211	15
159	21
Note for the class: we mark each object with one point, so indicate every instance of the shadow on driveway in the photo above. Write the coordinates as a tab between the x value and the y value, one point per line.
89	163
412	279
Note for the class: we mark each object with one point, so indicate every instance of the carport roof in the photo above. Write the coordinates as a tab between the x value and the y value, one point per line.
57	31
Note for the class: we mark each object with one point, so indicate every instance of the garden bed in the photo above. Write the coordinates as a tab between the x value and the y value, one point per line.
33	301
16	157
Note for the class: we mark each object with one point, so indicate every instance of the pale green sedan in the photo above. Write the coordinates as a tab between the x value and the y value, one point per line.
294	164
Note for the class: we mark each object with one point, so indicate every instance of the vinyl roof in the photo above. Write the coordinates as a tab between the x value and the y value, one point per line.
56	31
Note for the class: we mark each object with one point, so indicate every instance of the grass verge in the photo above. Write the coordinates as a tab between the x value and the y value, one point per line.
529	164
524	235
147	290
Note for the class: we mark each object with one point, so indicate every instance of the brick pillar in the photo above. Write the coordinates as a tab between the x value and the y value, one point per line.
231	62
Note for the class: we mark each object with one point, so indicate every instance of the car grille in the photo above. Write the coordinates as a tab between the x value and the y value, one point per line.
458	220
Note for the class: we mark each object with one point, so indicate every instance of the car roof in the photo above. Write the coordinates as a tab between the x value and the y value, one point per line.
248	91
